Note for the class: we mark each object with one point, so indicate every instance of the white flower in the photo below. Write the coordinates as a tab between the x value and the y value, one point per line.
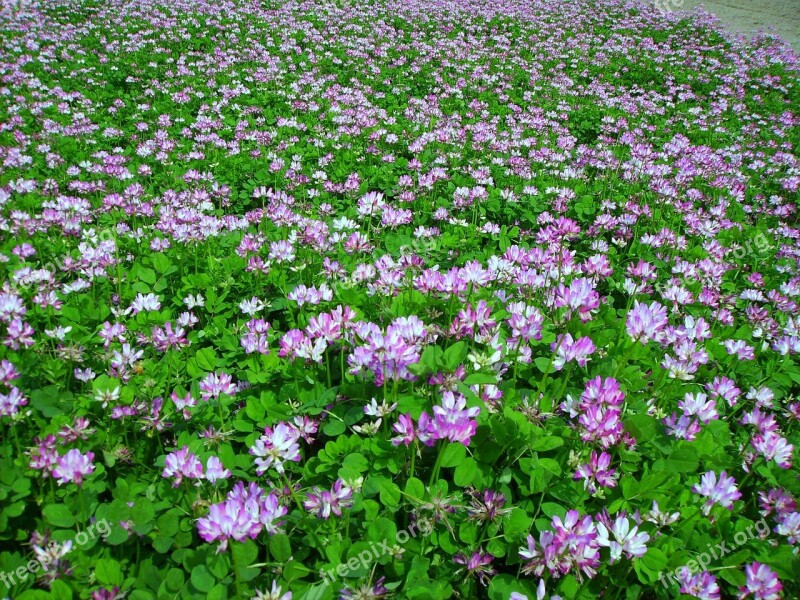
59	333
625	539
252	306
193	301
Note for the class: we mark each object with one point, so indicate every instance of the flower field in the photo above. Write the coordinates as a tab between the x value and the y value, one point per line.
418	299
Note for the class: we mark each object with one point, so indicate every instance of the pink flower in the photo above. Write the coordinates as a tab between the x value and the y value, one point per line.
722	492
323	503
73	467
216	384
773	447
570	547
405	427
453	420
789	525
645	322
762	583
244	514
740	349
703	585
597	471
580	295
478	563
215	470
180	464
275	447
567	350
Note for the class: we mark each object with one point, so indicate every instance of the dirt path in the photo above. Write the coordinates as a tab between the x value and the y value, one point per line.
781	17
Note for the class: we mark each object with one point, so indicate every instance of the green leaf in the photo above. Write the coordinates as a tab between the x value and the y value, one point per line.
357	462
654	559
206	359
34	595
202	579
551	509
641	427
218	592
517	521
334	428
389	493
108	572
315	592
430	358
415	488
161	262
466	472
455	355
683	460
147	275
480	379
59	590
548	442
502	586
549	464
280	548
58	515
544	364
454	454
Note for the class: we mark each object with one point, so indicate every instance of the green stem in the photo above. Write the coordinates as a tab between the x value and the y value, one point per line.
84	514
236	573
438	465
303	513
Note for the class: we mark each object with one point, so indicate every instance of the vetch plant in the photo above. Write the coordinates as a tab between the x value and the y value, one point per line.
397	299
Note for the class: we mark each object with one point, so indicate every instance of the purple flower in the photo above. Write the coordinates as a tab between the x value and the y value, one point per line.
740	349
144	303
275	447
105	594
405	428
682	428
777	500
600	415
762	583
597	471
703	585
180	464
243	515
73	467
478	564
216	384
579	296
11	403
215	470
567	350
789	525
773	447
645	322
487	506
698	405
453	420
366	591
570	547
323	503
722	492
724	388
